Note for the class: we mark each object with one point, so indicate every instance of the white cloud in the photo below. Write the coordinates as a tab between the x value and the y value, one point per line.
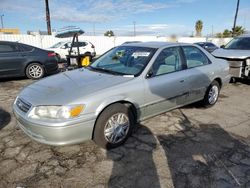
150	29
88	10
100	11
25	6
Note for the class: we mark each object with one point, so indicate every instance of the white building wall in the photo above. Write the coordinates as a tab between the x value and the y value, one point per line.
103	43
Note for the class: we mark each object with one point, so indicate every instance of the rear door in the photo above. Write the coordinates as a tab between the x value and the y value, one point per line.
10	59
166	87
199	70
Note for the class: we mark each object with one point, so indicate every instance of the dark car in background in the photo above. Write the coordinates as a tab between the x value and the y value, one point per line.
209	46
237	53
17	59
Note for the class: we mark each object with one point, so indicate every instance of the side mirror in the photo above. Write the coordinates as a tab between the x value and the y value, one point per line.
150	74
222	46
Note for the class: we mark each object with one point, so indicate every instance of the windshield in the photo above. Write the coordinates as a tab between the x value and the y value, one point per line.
242	43
125	60
57	45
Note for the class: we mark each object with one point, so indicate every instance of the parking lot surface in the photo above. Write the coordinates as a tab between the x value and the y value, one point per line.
187	147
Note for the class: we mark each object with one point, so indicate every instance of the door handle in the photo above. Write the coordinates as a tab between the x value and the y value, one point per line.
182	81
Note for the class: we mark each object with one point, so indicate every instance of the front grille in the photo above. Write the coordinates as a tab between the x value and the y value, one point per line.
23	105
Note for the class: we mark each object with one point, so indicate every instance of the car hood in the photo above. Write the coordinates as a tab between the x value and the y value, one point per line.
66	87
231	54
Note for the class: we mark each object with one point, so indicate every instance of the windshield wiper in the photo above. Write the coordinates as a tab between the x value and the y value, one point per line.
104	70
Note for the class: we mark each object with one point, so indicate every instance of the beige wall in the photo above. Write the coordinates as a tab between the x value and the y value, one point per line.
10	31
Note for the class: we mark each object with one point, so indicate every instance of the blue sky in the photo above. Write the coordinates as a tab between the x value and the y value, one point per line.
161	18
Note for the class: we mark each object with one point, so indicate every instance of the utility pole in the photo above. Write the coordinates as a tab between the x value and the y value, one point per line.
48	17
134	28
93	29
212	31
2	20
235	18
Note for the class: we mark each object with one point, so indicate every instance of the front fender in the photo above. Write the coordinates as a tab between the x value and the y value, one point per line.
110	101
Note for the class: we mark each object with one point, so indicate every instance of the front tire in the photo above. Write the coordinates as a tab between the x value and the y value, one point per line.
34	71
113	126
212	94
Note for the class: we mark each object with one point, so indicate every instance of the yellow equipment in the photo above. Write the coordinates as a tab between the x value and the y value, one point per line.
85	61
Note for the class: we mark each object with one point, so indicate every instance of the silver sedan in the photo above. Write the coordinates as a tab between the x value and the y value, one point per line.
124	86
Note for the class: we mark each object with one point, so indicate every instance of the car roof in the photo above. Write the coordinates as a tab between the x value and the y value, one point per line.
199	42
244	36
11	42
153	44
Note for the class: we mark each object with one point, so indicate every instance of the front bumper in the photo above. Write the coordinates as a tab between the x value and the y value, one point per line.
55	135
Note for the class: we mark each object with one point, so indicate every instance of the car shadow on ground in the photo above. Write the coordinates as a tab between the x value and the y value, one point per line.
133	164
245	81
205	155
12	79
5	118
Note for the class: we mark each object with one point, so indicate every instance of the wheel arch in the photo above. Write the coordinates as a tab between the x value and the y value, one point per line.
88	53
30	62
218	79
127	103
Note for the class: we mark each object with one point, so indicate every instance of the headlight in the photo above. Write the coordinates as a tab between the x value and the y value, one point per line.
56	112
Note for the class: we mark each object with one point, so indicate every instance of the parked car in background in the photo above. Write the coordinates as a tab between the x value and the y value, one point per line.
126	85
209	46
237	53
17	59
129	42
62	48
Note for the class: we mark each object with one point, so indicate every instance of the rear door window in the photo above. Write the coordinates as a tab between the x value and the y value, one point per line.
194	57
211	45
26	48
80	44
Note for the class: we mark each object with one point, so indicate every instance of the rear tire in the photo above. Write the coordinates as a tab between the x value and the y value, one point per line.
113	126
34	71
233	80
212	94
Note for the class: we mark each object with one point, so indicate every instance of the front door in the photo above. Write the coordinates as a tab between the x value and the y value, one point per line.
166	86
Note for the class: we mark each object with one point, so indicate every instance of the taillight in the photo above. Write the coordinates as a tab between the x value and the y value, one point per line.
51	54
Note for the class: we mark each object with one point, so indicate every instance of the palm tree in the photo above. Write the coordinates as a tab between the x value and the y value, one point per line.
198	28
109	33
238	30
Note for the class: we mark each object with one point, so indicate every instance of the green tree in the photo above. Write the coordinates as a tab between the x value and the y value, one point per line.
239	30
198	28
227	33
219	35
109	33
